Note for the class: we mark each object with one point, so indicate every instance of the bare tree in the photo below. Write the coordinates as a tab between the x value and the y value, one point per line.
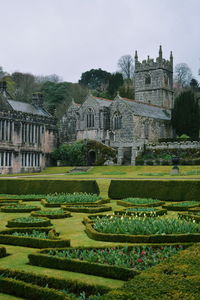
183	75
125	64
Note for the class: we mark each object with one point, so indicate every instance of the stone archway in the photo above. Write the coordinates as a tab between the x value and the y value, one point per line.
91	157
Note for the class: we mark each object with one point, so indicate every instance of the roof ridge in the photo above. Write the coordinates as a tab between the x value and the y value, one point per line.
149	104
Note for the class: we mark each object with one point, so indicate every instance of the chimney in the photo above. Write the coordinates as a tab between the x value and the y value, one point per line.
37	99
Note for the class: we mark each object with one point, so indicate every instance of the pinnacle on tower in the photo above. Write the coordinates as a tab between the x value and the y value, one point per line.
160	52
136	55
171	56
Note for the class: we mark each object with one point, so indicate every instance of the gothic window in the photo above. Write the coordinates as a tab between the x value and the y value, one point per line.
90	118
147	79
117	121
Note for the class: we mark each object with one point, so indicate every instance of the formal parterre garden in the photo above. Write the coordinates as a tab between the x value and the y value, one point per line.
116	244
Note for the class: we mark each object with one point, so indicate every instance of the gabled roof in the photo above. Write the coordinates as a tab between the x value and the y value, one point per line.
28	108
103	101
148	110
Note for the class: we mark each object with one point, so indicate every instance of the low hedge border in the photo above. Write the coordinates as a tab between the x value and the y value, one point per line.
189	217
59	283
2	252
8	239
158	212
66	214
21	210
47	204
194	209
163	190
27	186
30	291
178	208
7	202
43	223
75	265
154	238
129	204
90	210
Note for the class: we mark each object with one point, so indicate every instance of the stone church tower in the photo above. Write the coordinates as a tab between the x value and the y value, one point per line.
154	81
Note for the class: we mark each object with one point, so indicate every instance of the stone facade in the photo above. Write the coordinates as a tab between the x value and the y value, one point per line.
27	134
124	124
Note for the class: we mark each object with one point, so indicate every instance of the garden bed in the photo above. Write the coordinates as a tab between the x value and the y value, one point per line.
141	202
141	212
118	263
143	230
72	200
194	209
31	237
3	252
86	208
29	222
10	203
181	206
189	217
51	213
19	208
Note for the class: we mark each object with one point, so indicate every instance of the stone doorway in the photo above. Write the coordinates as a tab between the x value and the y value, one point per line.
91	157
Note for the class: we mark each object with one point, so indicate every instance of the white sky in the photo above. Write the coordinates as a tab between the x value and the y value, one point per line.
68	37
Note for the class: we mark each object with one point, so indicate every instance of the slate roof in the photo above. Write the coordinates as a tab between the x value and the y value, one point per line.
103	101
28	108
148	110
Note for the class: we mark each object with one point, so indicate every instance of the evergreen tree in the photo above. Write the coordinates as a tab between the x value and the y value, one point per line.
186	115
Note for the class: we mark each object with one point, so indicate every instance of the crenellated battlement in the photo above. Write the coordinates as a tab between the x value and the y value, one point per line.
151	64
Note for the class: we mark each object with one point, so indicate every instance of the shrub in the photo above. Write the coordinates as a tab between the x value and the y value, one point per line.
2	252
19	208
27	186
156	189
140	202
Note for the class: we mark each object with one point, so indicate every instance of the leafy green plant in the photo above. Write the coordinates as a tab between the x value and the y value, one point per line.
34	234
144	226
186	203
50	212
28	220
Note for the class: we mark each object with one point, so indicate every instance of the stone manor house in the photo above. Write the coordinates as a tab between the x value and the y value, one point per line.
28	134
124	124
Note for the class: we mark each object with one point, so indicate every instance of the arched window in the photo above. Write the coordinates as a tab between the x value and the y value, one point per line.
146	130
117	121
90	118
147	79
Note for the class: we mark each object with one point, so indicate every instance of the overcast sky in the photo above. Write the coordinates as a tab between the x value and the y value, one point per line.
69	37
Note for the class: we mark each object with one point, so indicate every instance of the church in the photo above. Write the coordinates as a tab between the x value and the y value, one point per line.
28	134
123	124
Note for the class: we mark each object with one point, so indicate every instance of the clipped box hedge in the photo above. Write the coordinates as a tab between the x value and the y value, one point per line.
8	239
91	209
2	252
41	186
45	203
75	265
164	190
30	291
179	207
153	238
18	210
43	223
58	283
129	204
157	212
66	214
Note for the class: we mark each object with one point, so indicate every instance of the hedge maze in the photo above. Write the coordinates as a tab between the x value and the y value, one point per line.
71	229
